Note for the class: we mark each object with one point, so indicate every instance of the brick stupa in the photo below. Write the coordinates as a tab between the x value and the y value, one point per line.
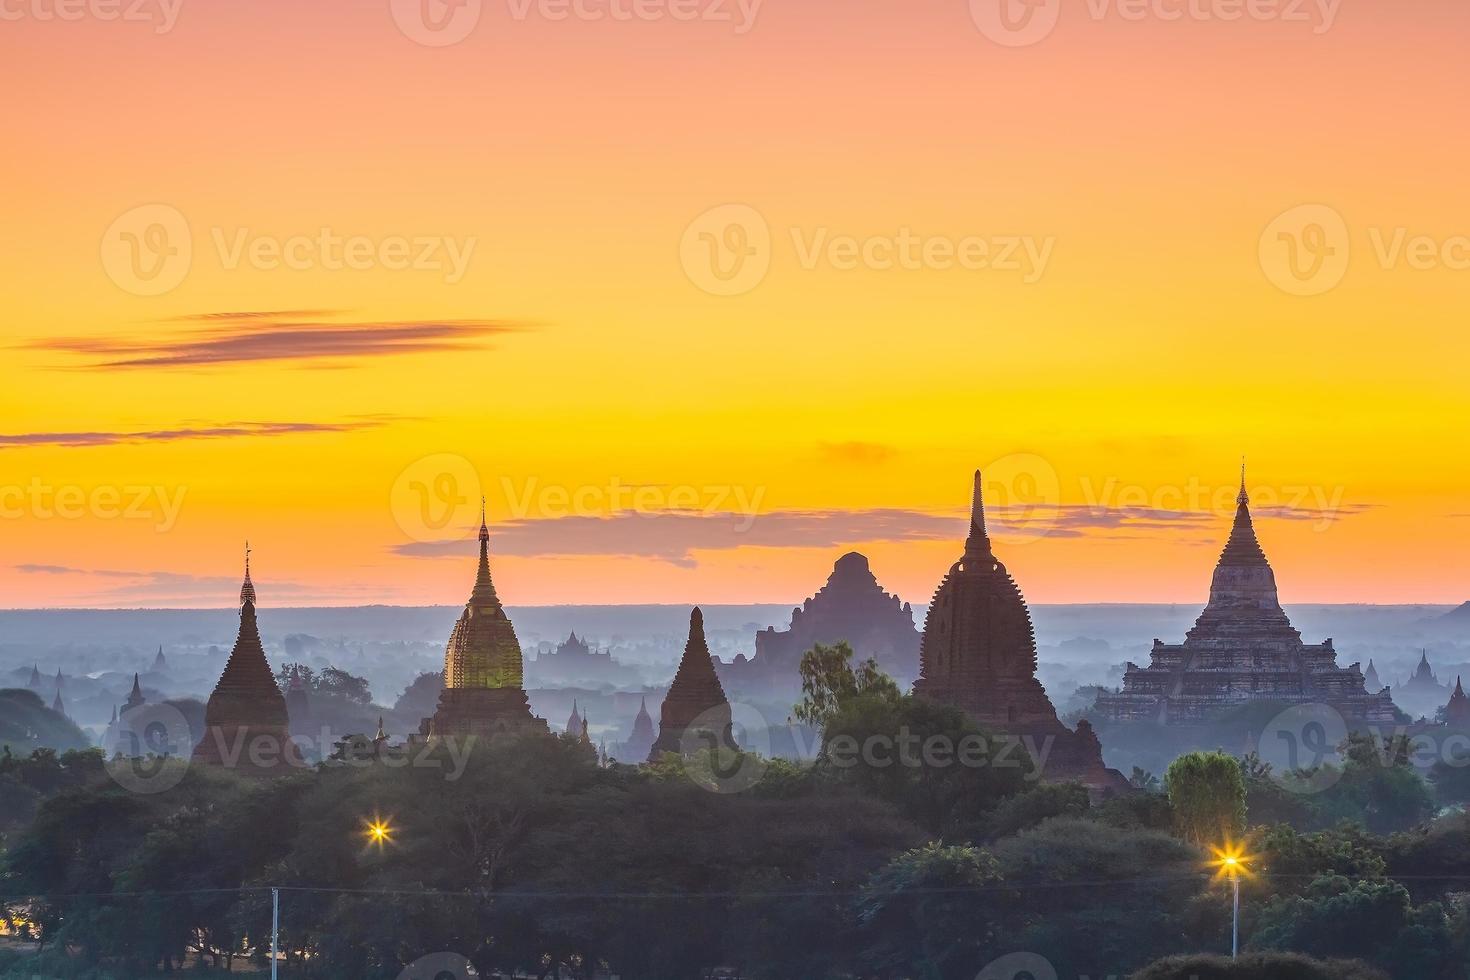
696	705
1242	648
245	721
978	653
483	694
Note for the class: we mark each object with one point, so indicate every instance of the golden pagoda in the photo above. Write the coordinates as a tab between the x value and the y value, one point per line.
482	693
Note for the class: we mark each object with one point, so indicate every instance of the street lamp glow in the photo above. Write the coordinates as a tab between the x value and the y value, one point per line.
379	831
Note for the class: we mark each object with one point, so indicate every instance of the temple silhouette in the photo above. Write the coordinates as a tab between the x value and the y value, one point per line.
246	725
695	713
1242	648
978	653
851	606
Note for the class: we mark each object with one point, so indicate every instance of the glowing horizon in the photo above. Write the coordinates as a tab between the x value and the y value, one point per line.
1100	263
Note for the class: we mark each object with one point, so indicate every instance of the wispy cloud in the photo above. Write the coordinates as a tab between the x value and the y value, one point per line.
225	430
857	453
300	336
676	536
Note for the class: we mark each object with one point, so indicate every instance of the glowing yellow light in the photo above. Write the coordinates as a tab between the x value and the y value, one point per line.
1230	861
379	831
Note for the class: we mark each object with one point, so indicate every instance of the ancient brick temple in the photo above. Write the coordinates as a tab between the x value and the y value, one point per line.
978	653
483	694
696	704
1242	648
246	727
852	606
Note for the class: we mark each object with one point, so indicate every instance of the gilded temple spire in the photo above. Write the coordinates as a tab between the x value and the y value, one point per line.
484	591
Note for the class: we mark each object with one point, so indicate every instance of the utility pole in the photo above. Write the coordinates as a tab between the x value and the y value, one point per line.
1235	921
276	924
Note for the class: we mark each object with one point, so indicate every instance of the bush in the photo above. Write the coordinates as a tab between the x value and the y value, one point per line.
1257	966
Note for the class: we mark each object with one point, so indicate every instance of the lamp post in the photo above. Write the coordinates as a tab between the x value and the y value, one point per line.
1230	862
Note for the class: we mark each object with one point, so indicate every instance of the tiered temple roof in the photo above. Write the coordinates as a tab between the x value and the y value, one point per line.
483	694
1242	648
696	701
245	721
978	653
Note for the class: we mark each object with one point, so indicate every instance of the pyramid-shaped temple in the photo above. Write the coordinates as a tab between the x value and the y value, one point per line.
696	705
483	694
978	653
246	727
1242	648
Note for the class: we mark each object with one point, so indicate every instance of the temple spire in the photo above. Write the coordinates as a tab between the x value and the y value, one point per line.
1243	548
247	588
484	591
977	545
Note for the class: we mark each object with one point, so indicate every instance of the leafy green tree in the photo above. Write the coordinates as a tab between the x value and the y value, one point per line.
1207	792
931	913
1374	920
829	681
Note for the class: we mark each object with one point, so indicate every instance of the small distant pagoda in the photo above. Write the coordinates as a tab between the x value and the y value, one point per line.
978	653
246	727
574	723
35	681
1242	648
483	692
640	743
695	713
1371	683
1457	712
1423	682
135	698
159	663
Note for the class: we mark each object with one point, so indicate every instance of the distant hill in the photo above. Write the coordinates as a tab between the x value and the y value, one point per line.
26	724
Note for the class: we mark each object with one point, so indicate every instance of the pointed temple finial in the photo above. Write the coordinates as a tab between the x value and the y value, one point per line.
1243	498
247	588
977	545
137	690
484	591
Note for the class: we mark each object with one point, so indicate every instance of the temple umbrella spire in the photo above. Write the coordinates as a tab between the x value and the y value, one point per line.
247	588
977	545
484	591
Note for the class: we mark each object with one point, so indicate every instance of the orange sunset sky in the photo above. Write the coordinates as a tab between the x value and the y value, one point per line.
648	425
